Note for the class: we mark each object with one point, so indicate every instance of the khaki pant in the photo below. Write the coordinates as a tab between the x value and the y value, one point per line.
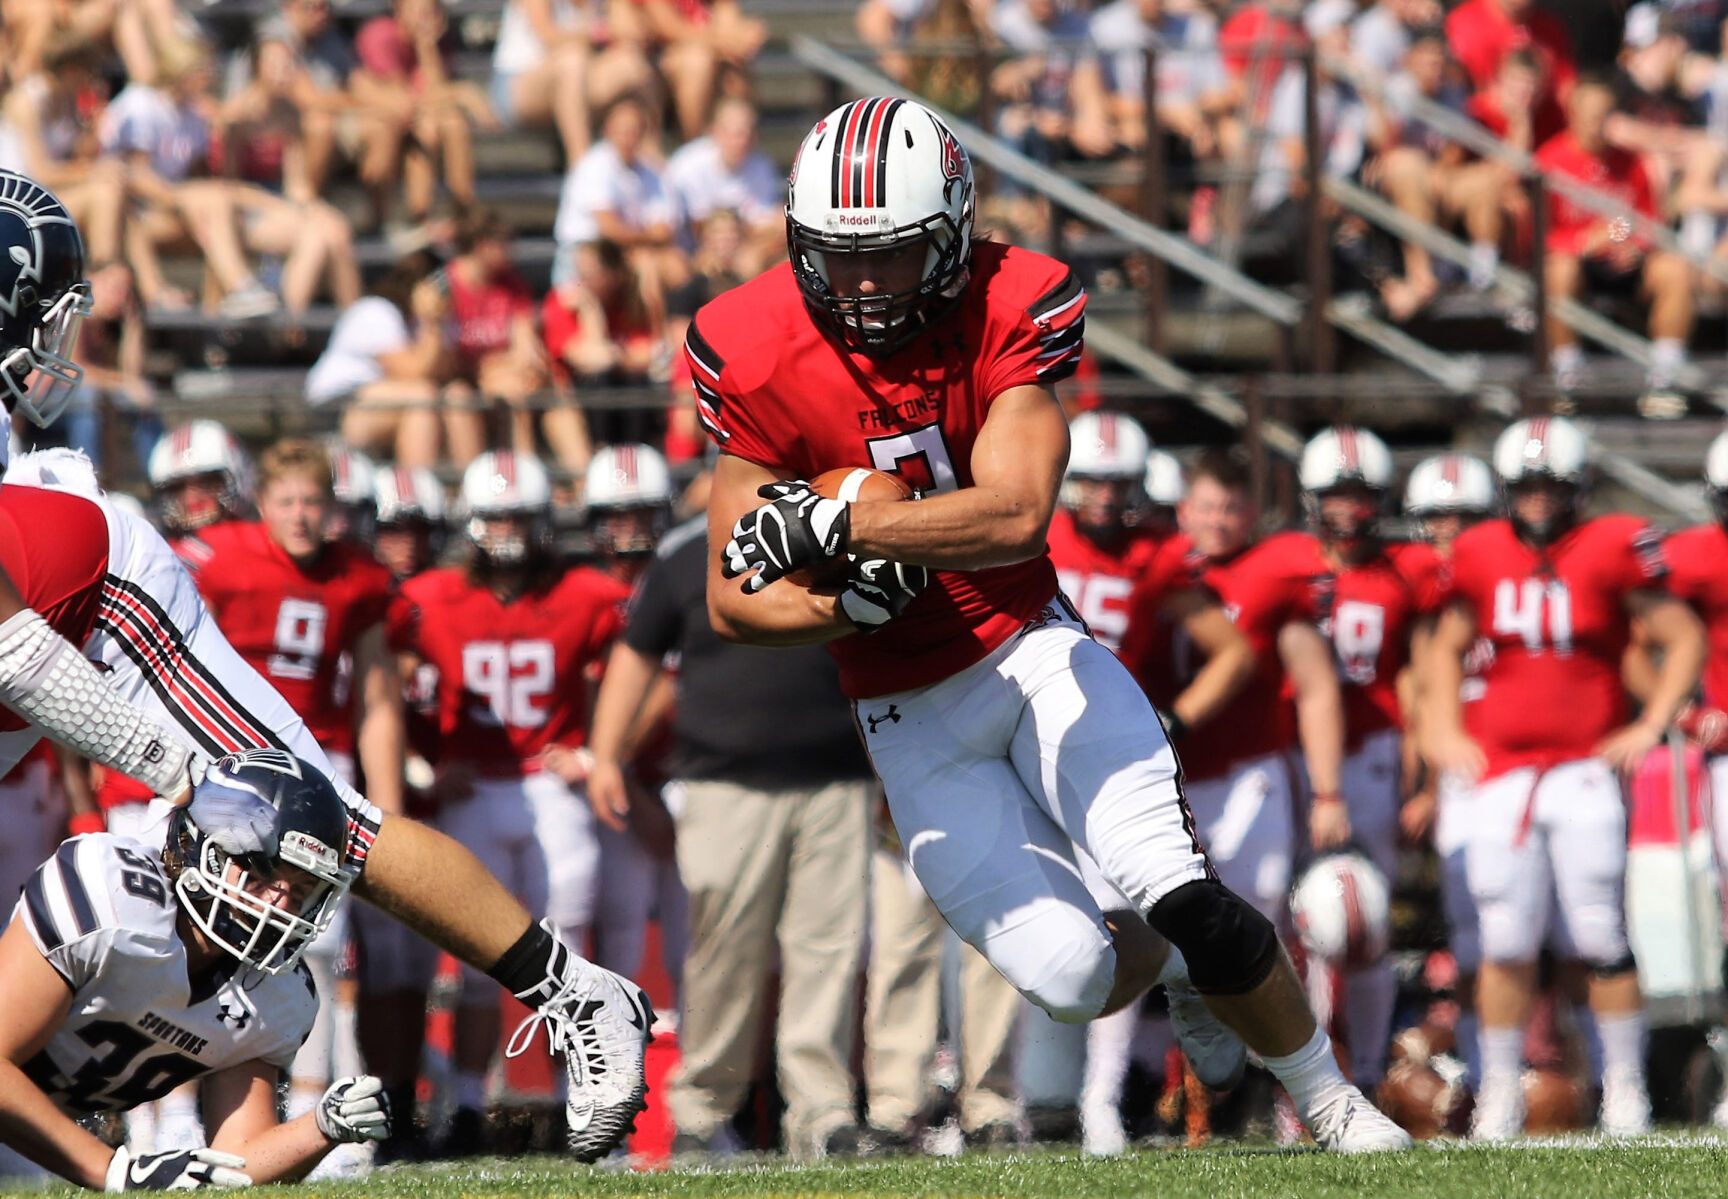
902	1010
766	868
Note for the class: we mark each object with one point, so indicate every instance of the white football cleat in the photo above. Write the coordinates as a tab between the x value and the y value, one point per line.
1625	1104
1499	1114
1217	1055
1351	1124
599	1021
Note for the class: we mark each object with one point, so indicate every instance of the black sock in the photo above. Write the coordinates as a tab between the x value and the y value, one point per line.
402	1104
533	968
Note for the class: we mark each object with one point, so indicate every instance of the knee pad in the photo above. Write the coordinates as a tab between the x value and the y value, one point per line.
1230	946
1598	936
1624	964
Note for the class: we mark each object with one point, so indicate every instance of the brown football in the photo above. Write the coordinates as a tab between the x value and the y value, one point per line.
1418	1099
849	483
1553	1102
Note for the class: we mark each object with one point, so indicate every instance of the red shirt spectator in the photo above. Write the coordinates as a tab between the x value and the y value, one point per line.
1617	172
563	325
482	310
1256	31
1482	32
387	51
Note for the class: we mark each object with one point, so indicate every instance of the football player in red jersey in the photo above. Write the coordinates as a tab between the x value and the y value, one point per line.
518	640
1004	735
294	606
1380	593
200	476
79	574
1545	820
1095	541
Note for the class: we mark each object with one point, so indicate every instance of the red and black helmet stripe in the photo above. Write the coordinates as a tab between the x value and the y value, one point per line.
1351	458
1449	470
859	166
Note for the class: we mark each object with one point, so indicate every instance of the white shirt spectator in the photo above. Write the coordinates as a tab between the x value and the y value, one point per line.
144	119
519	49
701	183
1188	63
1341	135
1064	45
1379	40
602	182
370	327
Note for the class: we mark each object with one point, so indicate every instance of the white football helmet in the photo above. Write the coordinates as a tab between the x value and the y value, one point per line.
1102	487
1163	480
1449	483
1344	457
1345	454
406	493
500	484
877	174
1543	447
628	491
1716	476
200	447
1342	908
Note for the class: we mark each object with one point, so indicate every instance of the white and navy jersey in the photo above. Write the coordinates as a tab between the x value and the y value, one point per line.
102	912
148	630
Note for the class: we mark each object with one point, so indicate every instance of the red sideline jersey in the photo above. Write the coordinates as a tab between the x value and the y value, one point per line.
1098	580
292	624
774	388
1557	620
1375	609
1263	588
1698	573
513	678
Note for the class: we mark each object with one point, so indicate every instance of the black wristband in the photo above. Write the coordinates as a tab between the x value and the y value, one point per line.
1175	728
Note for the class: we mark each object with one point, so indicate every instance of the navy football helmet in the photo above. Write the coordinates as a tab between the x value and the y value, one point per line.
44	299
262	821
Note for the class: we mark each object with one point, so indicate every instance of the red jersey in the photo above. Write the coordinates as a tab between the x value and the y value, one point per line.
1263	588
1097	580
775	388
1481	35
1557	620
292	623
482	313
1374	611
1698	573
1619	173
513	677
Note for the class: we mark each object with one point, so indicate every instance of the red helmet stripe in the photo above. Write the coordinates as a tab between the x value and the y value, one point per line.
627	462
1107	432
1449	470
872	195
1539	434
505	464
847	149
1355	927
1347	450
405	494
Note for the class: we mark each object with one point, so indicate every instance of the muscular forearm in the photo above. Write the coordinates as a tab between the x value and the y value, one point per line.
782	614
31	1124
970	529
284	1153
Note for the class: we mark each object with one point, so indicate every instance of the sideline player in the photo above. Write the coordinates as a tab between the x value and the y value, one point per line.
1380	594
131	968
1004	735
294	605
199	476
77	571
518	640
1097	544
1545	820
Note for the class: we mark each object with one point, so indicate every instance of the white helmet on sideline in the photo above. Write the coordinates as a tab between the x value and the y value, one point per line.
1342	908
1103	487
404	493
1338	459
501	484
1543	447
1449	483
1163	481
192	450
628	493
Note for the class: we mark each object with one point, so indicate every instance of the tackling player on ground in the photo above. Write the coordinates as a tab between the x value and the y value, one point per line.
77	572
1004	735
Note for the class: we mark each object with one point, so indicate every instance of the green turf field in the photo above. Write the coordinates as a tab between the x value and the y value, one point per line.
1659	1169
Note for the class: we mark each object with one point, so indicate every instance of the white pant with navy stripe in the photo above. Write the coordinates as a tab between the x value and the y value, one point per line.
995	774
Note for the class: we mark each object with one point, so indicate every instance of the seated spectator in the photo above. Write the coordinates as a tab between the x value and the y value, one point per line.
1428	177
45	134
111	351
1190	73
164	135
497	346
703	47
554	65
386	364
1605	254
1509	106
1654	114
131	28
1482	33
617	191
600	334
404	74
725	170
1052	91
1382	35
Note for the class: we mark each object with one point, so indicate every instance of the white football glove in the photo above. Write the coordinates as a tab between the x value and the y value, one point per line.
180	1171
355	1109
879	590
796	529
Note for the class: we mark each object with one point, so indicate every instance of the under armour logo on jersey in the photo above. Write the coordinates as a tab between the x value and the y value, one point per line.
235	1017
891	716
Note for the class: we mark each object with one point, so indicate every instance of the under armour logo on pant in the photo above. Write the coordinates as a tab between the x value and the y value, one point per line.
891	716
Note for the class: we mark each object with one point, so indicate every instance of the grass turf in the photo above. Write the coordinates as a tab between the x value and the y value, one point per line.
1658	1169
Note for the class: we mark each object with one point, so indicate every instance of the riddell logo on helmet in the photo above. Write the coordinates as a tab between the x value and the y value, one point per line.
863	220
